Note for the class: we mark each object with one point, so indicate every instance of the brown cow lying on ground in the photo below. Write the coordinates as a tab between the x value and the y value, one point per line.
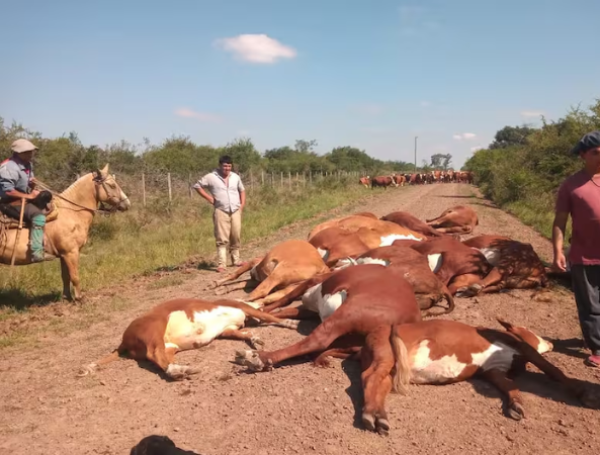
455	220
350	222
411	222
184	324
285	265
364	300
445	352
515	265
459	266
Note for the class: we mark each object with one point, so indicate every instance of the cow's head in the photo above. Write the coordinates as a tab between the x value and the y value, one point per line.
538	343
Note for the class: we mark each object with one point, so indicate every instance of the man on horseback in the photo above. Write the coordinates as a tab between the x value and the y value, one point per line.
17	182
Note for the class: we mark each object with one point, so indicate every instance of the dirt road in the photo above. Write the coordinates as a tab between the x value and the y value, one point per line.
45	409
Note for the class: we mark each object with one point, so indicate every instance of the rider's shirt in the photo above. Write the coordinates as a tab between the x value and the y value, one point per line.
15	174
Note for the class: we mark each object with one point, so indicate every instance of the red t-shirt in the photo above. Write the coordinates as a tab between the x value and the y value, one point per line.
580	197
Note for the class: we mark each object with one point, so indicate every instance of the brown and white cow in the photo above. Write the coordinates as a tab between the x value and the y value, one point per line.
364	300
185	324
400	179
285	265
515	264
444	352
350	222
366	181
459	219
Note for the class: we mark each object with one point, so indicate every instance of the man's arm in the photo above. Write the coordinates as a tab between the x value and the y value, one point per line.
242	199
202	192
558	237
7	183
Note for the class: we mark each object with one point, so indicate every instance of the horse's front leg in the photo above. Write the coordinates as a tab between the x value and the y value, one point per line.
66	279
71	260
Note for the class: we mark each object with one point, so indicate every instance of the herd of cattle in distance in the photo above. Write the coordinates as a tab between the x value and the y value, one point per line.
420	178
374	285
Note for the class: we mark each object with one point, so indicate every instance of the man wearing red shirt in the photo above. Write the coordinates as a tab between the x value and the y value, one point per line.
579	196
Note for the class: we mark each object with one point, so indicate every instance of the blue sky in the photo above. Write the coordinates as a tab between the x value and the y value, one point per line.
371	74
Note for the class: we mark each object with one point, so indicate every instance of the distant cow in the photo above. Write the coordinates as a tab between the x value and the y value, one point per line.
184	324
383	181
400	179
366	181
459	219
365	300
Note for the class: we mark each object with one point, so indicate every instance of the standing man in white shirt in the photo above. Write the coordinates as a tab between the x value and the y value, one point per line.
228	196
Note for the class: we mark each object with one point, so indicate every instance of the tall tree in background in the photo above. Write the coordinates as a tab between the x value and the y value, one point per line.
510	136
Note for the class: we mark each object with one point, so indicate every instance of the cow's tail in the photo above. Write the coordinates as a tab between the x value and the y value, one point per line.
401	376
90	368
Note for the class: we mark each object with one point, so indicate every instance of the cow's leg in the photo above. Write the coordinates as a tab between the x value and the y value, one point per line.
462	281
297	291
236	274
491	279
71	261
298	312
340	323
164	357
244	335
508	387
275	296
226	289
271	282
376	379
337	353
66	279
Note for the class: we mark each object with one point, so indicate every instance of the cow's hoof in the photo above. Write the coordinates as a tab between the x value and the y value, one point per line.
180	372
383	426
469	291
322	362
87	370
249	359
369	421
516	411
255	342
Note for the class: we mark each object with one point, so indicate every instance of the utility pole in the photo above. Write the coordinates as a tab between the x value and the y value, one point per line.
416	137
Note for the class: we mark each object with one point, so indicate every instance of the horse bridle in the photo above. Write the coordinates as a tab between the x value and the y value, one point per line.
101	181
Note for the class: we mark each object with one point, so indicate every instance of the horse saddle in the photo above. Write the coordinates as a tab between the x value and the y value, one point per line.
9	214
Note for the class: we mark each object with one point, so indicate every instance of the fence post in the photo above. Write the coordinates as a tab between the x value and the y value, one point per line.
143	189
290	179
190	184
169	184
282	178
250	185
262	178
310	177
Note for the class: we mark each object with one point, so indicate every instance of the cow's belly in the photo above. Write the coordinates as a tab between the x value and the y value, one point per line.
314	300
448	368
183	333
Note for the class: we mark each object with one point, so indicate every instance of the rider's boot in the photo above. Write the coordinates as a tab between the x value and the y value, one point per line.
37	238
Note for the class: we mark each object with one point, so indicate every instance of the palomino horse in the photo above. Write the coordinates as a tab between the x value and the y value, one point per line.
68	233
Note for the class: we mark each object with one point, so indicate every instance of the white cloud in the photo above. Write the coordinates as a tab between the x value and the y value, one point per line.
202	116
257	48
530	114
465	136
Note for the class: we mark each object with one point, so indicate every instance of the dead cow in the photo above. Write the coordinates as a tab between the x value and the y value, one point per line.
515	264
444	352
459	265
184	324
362	300
411	222
417	269
351	222
455	220
287	264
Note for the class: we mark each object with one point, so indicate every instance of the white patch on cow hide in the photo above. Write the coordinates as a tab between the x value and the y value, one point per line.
387	240
324	253
492	255
383	262
253	274
205	326
314	300
435	261
427	371
544	346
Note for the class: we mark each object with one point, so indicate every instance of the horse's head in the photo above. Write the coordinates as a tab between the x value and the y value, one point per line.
108	191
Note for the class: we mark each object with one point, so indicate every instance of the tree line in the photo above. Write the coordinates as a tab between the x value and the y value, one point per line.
61	159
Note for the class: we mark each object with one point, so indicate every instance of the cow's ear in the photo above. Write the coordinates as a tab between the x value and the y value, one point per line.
507	325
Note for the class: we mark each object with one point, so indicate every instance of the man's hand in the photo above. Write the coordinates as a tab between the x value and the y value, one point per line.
33	182
560	262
